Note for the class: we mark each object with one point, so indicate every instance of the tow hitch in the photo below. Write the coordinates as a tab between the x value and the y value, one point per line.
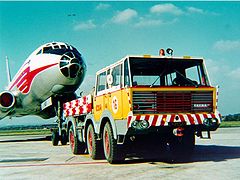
178	131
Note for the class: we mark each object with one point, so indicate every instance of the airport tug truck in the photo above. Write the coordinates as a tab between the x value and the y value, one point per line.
158	102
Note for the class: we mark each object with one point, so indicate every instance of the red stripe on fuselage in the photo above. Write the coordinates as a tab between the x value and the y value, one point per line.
25	79
20	78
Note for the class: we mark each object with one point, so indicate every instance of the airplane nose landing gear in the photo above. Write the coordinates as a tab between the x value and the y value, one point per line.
59	134
55	137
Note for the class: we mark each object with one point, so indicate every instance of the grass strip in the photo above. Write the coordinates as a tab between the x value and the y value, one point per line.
25	132
226	124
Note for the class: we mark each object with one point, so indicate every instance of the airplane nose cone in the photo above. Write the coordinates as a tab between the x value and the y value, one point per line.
71	64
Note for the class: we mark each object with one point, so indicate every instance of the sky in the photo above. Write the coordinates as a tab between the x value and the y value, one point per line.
104	32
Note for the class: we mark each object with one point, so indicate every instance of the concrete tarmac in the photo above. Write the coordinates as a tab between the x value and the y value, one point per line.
216	158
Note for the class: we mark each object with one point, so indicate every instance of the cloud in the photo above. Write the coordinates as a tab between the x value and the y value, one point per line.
148	19
195	10
124	16
227	45
102	6
166	8
148	22
235	74
172	9
85	25
143	22
214	68
223	74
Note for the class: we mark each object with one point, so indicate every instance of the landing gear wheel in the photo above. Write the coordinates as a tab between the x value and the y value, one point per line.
77	147
55	137
112	151
64	137
94	146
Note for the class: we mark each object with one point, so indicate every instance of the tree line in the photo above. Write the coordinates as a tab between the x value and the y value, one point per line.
232	117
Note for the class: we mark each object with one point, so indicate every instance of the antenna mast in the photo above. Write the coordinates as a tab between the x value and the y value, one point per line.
8	70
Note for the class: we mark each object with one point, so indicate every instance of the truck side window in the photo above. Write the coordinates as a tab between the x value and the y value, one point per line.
116	74
126	74
101	82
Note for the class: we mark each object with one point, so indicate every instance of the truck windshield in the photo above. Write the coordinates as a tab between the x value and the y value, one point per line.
167	72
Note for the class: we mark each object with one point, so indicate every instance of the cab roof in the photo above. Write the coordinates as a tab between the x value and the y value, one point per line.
151	57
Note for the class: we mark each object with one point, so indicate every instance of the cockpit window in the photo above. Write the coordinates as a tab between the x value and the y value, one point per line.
59	49
47	49
39	52
54	51
71	64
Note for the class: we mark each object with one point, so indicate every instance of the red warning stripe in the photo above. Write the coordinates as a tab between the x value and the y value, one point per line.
155	117
191	119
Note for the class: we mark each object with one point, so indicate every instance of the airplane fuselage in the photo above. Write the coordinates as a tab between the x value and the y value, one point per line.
53	70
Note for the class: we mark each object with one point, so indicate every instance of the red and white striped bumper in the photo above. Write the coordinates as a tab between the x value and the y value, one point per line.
163	120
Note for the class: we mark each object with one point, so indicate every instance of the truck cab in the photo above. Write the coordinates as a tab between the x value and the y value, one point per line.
144	87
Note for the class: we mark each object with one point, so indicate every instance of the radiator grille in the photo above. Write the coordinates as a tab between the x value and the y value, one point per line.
145	102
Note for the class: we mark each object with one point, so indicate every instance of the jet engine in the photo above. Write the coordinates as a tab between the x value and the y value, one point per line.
7	101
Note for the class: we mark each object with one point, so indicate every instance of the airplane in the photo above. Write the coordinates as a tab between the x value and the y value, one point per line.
48	78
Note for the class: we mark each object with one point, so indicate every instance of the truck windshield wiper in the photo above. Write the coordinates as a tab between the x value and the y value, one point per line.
157	78
155	81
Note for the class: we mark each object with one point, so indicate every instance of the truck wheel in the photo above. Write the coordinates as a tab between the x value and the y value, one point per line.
64	137
94	146
112	152
55	137
77	147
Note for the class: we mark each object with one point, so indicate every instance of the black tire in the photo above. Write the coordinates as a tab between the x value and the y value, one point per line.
76	146
55	137
64	137
94	146
112	151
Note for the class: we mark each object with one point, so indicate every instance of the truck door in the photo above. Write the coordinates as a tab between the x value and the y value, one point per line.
100	102
114	98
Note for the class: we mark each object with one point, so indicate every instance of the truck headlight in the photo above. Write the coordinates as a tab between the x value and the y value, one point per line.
210	122
134	124
140	125
143	124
